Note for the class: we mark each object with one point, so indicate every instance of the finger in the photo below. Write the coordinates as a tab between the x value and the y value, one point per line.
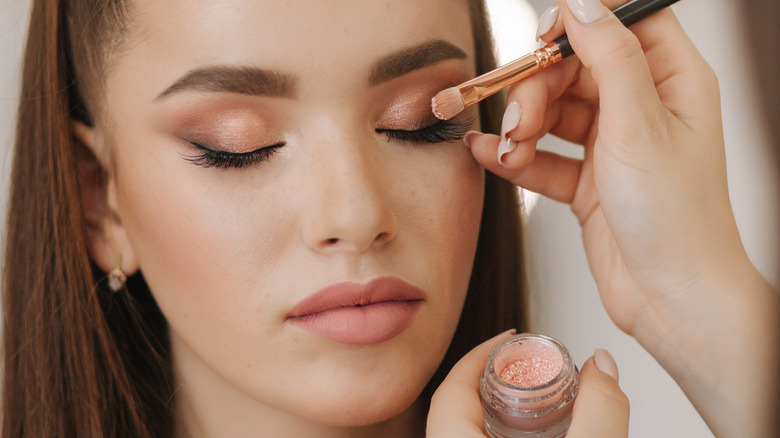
568	117
537	95
676	65
683	78
550	23
533	95
549	174
684	81
618	67
572	119
456	410
601	408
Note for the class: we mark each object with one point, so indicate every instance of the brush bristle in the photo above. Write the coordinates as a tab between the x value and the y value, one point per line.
447	104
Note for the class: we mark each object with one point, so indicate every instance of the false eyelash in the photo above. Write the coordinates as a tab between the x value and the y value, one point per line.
225	160
439	132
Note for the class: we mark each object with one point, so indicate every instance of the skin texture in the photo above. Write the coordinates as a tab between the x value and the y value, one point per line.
228	253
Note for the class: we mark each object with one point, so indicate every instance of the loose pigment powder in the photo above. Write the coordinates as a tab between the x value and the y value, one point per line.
528	388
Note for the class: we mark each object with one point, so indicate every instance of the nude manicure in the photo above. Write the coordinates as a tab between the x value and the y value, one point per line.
504	148
512	117
547	21
469	137
587	11
605	363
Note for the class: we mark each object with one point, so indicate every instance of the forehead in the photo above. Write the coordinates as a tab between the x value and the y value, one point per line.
308	37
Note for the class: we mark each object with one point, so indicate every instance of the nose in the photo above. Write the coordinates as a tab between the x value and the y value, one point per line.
349	208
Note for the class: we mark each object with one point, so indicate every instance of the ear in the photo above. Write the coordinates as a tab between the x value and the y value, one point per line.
107	239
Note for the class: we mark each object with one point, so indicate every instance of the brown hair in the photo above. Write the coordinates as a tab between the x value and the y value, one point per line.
81	361
760	18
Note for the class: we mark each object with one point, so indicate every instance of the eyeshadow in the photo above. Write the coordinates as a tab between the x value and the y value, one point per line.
406	103
533	366
232	131
409	111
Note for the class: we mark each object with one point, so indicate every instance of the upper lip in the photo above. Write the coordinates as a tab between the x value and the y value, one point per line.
350	294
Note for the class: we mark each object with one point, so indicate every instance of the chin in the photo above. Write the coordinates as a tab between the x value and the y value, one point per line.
359	405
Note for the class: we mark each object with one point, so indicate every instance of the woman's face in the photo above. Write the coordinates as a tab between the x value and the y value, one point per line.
266	152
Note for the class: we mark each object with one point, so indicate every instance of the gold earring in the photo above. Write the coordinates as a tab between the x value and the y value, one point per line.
116	279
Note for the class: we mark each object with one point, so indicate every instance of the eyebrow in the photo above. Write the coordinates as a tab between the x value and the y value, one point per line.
252	81
413	58
256	81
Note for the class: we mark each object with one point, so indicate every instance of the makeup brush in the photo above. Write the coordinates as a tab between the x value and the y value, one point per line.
448	103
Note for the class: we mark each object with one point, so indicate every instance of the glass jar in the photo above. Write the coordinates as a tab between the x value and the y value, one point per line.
536	394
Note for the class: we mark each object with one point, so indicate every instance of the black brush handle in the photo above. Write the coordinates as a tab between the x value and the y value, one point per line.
628	14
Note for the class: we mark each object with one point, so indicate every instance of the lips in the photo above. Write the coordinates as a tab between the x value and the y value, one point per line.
359	314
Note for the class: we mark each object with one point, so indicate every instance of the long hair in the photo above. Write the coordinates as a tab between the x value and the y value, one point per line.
759	21
81	361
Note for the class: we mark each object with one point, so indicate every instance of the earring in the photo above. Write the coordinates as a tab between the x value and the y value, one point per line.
116	279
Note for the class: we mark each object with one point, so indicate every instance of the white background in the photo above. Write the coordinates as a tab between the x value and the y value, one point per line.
565	299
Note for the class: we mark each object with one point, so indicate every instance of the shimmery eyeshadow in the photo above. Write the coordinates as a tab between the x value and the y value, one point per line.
528	388
534	367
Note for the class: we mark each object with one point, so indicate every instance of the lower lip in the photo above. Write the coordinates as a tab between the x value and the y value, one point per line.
361	325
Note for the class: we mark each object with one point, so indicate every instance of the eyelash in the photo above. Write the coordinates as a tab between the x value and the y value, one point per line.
439	132
227	160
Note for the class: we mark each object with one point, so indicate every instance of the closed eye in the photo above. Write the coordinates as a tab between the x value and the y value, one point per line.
439	132
209	157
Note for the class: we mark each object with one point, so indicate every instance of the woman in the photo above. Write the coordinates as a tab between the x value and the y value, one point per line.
249	160
297	230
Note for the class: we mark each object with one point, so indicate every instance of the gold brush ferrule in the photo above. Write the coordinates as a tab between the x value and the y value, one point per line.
494	81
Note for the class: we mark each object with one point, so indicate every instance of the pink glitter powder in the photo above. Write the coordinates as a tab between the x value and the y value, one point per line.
534	368
528	388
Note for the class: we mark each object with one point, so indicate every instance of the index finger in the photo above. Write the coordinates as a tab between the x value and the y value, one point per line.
671	55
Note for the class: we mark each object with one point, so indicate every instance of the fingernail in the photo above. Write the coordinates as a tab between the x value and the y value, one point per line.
512	117
605	363
587	11
470	136
547	21
504	148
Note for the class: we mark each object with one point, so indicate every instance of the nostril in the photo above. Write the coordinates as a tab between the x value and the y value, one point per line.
332	241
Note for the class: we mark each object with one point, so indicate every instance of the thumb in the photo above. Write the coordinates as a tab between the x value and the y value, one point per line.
614	56
601	408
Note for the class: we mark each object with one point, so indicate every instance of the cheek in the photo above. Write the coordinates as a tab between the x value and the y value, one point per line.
442	216
201	244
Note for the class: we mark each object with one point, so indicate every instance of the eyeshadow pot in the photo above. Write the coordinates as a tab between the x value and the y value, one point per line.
528	388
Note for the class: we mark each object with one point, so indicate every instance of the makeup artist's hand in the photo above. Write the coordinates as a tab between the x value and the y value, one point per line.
652	198
600	410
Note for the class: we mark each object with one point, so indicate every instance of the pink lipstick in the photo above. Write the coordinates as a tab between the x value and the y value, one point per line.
359	314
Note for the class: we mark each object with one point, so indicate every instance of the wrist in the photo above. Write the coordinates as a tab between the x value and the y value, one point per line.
717	337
